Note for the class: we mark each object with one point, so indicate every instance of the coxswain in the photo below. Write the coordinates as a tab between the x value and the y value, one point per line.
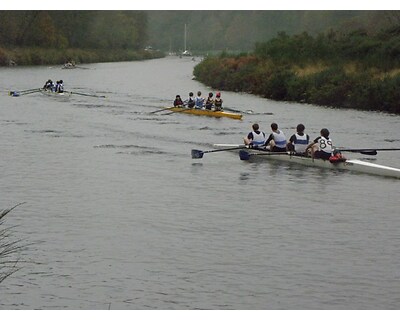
218	102
178	101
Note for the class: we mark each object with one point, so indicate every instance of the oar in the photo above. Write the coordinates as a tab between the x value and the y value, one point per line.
177	111
371	151
238	111
85	94
245	155
198	154
18	93
163	109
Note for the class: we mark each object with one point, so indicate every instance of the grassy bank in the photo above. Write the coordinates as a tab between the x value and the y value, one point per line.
42	56
353	71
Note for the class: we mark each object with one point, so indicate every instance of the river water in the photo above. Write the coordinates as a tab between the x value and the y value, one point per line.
118	216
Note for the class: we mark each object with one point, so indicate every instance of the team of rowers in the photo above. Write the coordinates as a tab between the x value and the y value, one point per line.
55	87
199	102
299	143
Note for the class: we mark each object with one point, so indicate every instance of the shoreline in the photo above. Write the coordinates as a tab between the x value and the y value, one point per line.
34	56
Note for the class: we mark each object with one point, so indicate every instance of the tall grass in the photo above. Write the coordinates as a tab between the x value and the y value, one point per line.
9	248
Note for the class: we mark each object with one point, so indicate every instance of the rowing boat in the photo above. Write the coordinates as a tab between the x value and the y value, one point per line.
208	113
350	165
55	94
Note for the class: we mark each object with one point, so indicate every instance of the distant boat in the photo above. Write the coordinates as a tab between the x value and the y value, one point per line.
185	53
69	65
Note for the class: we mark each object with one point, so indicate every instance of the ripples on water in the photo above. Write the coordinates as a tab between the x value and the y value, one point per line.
121	217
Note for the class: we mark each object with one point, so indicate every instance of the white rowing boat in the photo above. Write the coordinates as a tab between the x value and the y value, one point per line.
64	95
350	164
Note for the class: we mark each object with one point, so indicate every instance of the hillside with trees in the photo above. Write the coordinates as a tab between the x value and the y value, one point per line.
45	37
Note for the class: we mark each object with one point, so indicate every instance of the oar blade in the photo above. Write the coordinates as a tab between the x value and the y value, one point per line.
197	154
14	93
244	155
369	152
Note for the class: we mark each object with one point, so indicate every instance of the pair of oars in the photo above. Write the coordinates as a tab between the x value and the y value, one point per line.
198	154
183	109
23	92
29	91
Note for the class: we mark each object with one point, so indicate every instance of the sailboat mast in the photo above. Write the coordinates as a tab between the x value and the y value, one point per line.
184	43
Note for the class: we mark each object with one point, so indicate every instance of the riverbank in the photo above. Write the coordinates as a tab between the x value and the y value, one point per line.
340	86
355	70
42	56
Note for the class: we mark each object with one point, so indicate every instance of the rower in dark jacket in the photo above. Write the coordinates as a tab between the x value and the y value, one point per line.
218	102
210	101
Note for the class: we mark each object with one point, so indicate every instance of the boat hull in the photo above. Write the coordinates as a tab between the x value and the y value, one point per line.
207	113
49	93
349	165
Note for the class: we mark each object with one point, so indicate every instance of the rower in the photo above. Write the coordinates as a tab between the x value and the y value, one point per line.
321	147
255	138
210	101
48	85
60	86
190	101
299	141
199	101
276	141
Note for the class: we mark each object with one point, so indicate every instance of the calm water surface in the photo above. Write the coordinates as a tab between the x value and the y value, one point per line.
119	216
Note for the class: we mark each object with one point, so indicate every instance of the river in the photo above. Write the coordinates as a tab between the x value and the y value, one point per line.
117	215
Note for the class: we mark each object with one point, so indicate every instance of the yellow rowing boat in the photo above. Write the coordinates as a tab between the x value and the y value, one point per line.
208	113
